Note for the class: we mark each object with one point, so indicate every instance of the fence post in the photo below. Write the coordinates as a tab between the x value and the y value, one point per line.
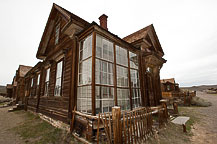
116	118
175	107
164	105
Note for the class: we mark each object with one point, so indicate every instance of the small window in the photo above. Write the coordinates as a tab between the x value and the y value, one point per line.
58	85
57	33
31	87
37	86
47	79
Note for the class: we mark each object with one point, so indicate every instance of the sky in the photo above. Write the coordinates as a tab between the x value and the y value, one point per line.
187	30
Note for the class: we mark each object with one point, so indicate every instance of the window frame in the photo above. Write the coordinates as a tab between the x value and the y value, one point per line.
61	82
47	83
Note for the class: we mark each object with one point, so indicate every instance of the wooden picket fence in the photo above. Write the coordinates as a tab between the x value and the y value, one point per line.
128	127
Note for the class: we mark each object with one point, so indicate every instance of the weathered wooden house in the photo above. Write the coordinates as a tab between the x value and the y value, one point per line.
169	88
84	65
19	84
9	88
14	84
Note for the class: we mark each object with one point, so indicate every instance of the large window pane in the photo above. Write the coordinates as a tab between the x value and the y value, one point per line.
86	48
104	49
136	98
84	99
123	96
104	99
134	75
133	60
122	76
104	72
85	72
121	56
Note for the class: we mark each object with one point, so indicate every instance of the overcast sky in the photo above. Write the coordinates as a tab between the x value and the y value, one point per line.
187	30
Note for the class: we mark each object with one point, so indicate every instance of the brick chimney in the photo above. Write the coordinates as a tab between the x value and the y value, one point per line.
103	21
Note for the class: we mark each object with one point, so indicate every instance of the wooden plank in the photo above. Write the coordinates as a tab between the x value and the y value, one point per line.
98	128
73	119
106	126
93	73
124	126
131	131
129	81
116	117
115	77
136	126
134	130
110	126
106	131
128	131
140	122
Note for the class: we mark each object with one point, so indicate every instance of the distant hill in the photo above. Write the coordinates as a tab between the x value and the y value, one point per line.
200	88
2	89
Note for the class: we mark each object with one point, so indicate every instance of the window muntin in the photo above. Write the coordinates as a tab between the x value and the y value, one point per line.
104	99
84	99
104	49
84	90
123	96
122	76
104	72
133	60
57	33
121	56
58	85
47	79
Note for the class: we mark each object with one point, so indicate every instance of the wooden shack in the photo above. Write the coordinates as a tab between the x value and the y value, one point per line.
169	88
84	65
9	88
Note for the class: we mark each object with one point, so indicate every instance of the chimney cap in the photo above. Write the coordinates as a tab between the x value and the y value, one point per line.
103	16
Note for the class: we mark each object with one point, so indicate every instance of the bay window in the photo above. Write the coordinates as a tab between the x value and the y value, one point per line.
114	83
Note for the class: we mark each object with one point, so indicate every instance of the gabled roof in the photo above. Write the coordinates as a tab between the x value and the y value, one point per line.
33	70
22	70
143	34
70	17
171	80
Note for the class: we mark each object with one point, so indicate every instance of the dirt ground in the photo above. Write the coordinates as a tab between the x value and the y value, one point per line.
8	120
205	131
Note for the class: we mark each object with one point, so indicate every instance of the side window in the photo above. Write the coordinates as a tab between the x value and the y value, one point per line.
47	79
58	85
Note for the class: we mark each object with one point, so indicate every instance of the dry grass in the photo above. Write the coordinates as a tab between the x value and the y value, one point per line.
36	131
